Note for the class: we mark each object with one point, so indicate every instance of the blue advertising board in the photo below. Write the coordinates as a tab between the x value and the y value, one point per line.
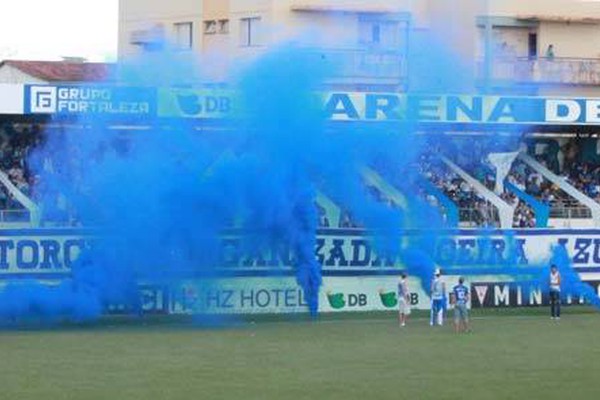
71	100
203	104
32	253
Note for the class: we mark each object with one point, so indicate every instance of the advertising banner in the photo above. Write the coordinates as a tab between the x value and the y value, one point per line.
400	107
462	109
278	295
214	104
72	100
355	278
39	253
341	252
507	294
193	103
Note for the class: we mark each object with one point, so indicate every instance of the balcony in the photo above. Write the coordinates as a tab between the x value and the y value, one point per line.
362	66
566	71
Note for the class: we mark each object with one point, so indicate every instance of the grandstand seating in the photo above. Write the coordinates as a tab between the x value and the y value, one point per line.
462	185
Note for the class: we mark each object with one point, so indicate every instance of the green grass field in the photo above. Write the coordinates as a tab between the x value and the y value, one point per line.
507	356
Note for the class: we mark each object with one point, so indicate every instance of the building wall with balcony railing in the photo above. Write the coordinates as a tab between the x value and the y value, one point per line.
344	37
518	51
562	71
356	40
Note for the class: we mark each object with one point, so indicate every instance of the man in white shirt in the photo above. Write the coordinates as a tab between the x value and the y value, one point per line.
403	300
554	292
438	297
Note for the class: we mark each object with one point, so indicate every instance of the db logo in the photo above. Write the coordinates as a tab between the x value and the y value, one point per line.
357	300
42	99
338	301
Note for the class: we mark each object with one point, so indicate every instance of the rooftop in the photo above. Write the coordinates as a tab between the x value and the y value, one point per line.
63	71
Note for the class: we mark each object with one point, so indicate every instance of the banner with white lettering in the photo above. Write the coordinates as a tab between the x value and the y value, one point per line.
209	103
71	100
341	252
511	294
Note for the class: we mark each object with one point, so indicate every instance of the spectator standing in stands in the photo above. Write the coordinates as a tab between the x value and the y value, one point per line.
550	52
554	292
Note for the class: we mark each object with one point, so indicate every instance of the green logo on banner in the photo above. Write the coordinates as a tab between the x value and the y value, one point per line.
388	299
336	300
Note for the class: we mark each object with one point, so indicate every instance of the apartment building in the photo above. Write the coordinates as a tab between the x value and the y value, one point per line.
541	46
552	45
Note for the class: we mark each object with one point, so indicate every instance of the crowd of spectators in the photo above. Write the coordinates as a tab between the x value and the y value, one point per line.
585	177
16	143
473	208
581	166
474	160
576	160
23	169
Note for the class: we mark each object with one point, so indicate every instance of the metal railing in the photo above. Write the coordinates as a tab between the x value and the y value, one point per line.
578	71
360	63
12	216
474	218
570	212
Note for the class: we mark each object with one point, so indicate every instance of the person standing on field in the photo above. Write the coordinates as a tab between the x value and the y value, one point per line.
554	292
403	300
461	313
438	297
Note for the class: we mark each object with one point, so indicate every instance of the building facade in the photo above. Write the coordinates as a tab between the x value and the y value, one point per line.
540	46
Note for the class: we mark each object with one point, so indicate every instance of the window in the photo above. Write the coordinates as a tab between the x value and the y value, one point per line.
216	26
223	26
210	27
532	49
183	35
149	39
380	33
375	33
250	31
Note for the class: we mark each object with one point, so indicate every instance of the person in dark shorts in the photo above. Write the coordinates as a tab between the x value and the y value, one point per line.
461	312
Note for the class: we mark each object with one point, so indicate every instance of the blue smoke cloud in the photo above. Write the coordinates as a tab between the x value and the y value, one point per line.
161	198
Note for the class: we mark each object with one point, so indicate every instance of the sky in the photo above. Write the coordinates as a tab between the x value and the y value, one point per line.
51	29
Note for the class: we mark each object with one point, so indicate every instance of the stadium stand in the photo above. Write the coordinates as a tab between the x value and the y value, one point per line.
526	191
